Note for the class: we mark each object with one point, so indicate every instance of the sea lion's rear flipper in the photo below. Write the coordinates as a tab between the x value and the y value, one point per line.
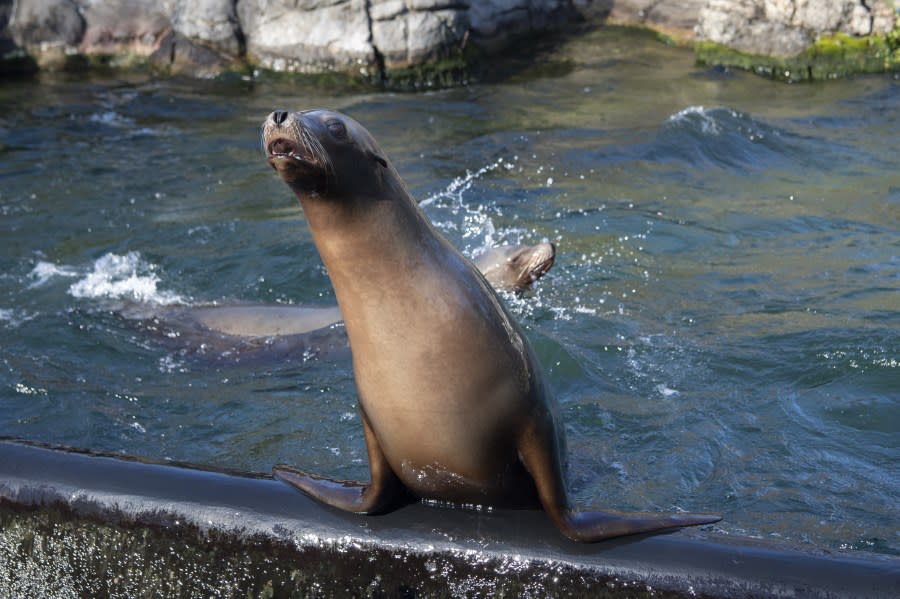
383	494
347	495
589	527
540	455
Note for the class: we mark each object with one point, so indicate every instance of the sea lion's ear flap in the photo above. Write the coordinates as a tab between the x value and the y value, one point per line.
378	159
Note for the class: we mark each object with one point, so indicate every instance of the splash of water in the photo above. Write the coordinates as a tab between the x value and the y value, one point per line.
128	276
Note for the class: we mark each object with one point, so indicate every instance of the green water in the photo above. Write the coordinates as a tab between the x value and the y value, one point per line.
721	328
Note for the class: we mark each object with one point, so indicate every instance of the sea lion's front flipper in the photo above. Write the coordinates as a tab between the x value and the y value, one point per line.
540	455
384	493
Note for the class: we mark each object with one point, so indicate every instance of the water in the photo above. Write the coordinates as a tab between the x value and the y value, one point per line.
722	326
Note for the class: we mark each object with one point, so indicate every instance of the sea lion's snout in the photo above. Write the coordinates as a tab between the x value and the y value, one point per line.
293	150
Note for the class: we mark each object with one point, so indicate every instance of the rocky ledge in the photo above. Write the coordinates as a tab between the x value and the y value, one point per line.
379	39
800	39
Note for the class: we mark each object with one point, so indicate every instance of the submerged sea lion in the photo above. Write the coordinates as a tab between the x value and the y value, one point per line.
241	333
235	331
451	397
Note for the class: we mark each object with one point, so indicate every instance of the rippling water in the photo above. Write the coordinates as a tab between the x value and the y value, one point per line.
722	327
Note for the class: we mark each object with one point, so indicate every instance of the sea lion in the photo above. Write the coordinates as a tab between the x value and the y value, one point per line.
452	400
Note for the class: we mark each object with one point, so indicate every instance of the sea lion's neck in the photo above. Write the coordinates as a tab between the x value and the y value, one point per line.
366	244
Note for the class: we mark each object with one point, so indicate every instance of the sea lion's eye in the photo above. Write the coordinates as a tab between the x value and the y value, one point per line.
336	128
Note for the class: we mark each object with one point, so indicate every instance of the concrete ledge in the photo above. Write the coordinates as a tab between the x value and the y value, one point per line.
102	526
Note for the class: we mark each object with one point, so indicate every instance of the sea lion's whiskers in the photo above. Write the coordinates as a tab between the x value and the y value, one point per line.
262	137
312	145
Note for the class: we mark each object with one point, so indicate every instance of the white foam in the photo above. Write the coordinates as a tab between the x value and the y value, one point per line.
9	316
111	118
14	318
44	271
708	123
666	391
116	276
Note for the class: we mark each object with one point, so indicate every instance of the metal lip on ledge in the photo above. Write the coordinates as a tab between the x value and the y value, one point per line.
123	491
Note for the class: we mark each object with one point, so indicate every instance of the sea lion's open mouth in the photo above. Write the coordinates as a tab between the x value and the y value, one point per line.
285	148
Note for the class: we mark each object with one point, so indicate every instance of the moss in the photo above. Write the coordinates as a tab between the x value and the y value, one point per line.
448	72
829	57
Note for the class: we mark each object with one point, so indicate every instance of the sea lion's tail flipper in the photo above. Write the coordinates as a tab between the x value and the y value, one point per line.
539	452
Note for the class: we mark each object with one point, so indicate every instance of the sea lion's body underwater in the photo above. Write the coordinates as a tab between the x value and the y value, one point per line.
452	400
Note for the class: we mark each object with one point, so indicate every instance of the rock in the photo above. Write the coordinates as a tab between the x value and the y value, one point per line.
668	16
42	24
493	21
176	53
353	34
13	58
742	25
212	23
374	36
308	35
785	28
198	38
124	27
409	33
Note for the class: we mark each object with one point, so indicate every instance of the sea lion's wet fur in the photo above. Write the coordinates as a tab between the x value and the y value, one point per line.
452	399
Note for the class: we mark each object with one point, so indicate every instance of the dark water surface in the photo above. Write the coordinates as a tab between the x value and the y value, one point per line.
722	327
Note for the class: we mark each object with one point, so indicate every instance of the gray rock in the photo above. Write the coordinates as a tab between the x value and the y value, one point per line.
124	27
411	36
369	35
784	28
413	32
666	15
213	23
308	35
179	54
354	34
494	21
140	26
743	25
42	24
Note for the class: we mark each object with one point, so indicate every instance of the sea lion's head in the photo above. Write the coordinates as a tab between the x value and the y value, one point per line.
323	152
516	267
530	263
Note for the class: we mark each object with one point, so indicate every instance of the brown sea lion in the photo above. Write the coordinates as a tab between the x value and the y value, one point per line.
451	397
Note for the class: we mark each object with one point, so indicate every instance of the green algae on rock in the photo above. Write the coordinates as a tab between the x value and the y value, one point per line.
829	57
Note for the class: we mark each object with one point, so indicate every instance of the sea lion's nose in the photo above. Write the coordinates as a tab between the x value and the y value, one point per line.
279	116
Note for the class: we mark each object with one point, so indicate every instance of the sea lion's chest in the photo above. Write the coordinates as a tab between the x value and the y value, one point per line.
440	366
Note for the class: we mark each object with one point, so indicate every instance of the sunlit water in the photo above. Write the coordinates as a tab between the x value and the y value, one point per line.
722	326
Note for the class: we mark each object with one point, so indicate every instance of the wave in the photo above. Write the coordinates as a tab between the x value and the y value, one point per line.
723	137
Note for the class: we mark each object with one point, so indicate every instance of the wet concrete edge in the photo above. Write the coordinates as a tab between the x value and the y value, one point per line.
250	508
